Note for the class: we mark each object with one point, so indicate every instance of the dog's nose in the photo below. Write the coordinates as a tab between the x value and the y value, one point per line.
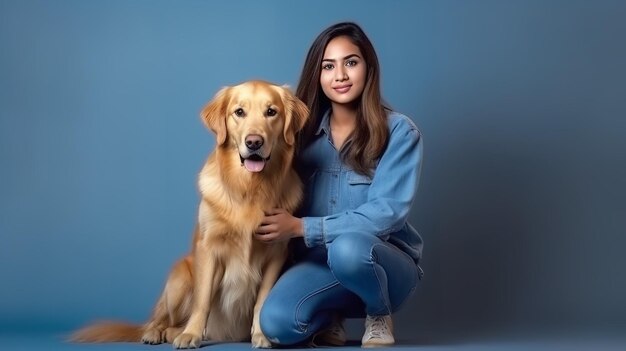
254	142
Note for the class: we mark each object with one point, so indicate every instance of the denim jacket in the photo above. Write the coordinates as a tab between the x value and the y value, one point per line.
338	200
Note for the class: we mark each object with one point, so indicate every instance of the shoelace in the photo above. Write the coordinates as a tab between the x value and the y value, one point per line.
378	328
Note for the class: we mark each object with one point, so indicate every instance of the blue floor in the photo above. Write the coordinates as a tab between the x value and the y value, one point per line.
600	342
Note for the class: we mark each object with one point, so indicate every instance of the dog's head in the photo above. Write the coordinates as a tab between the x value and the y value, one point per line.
255	117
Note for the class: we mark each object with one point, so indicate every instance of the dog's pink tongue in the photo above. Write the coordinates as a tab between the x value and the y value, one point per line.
254	166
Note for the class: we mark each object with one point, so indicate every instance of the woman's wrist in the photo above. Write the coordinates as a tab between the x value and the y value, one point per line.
298	230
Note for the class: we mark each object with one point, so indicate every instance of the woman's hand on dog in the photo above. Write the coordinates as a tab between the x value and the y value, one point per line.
278	225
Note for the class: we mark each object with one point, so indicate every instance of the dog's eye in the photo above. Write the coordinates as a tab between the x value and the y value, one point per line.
240	113
270	112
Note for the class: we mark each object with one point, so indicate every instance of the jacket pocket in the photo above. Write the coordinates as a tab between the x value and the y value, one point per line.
358	188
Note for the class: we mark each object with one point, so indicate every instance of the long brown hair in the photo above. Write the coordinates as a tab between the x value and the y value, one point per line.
369	138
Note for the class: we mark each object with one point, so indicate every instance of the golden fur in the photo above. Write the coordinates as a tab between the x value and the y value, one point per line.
216	292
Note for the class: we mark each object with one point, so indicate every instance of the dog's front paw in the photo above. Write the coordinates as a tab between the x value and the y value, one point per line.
151	336
260	341
170	334
187	341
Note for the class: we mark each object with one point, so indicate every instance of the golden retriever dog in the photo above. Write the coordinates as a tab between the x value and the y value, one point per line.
216	292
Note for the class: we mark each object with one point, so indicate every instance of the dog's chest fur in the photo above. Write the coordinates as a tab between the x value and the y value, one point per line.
232	244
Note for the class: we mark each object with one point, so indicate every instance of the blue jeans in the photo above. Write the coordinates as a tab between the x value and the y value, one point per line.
355	275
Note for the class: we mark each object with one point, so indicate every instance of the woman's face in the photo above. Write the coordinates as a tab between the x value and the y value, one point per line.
343	71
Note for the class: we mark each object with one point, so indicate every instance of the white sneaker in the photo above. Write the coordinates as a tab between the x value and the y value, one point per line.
378	332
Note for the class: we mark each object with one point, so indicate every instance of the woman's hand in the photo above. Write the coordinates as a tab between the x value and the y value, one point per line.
278	225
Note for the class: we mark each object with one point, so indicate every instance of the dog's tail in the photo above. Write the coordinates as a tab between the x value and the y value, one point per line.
108	331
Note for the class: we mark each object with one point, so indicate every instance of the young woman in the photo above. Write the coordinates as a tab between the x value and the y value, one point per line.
355	255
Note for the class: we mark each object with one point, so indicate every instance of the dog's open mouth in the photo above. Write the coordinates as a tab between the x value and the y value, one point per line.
254	163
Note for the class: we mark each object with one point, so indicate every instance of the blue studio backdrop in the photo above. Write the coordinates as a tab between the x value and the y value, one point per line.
521	105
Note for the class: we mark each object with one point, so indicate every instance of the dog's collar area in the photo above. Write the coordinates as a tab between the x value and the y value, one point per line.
253	163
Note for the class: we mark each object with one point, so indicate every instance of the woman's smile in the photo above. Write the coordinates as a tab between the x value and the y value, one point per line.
342	89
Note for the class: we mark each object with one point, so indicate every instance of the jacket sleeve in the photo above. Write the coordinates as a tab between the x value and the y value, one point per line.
389	197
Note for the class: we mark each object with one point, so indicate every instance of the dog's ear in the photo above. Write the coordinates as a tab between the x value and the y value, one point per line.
214	114
296	115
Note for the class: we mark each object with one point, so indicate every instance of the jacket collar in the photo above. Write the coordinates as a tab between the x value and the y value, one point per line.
324	124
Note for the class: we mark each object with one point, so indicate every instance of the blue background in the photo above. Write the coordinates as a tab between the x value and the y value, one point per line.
522	105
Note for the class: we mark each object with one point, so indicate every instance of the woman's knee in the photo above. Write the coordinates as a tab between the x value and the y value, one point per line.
279	325
350	254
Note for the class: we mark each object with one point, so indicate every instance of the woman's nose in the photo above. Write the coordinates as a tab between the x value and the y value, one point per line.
340	75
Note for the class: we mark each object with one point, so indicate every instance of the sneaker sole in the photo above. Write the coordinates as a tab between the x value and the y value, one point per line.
374	345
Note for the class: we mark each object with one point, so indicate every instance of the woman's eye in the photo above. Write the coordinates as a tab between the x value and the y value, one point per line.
270	112
327	66
351	63
239	112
